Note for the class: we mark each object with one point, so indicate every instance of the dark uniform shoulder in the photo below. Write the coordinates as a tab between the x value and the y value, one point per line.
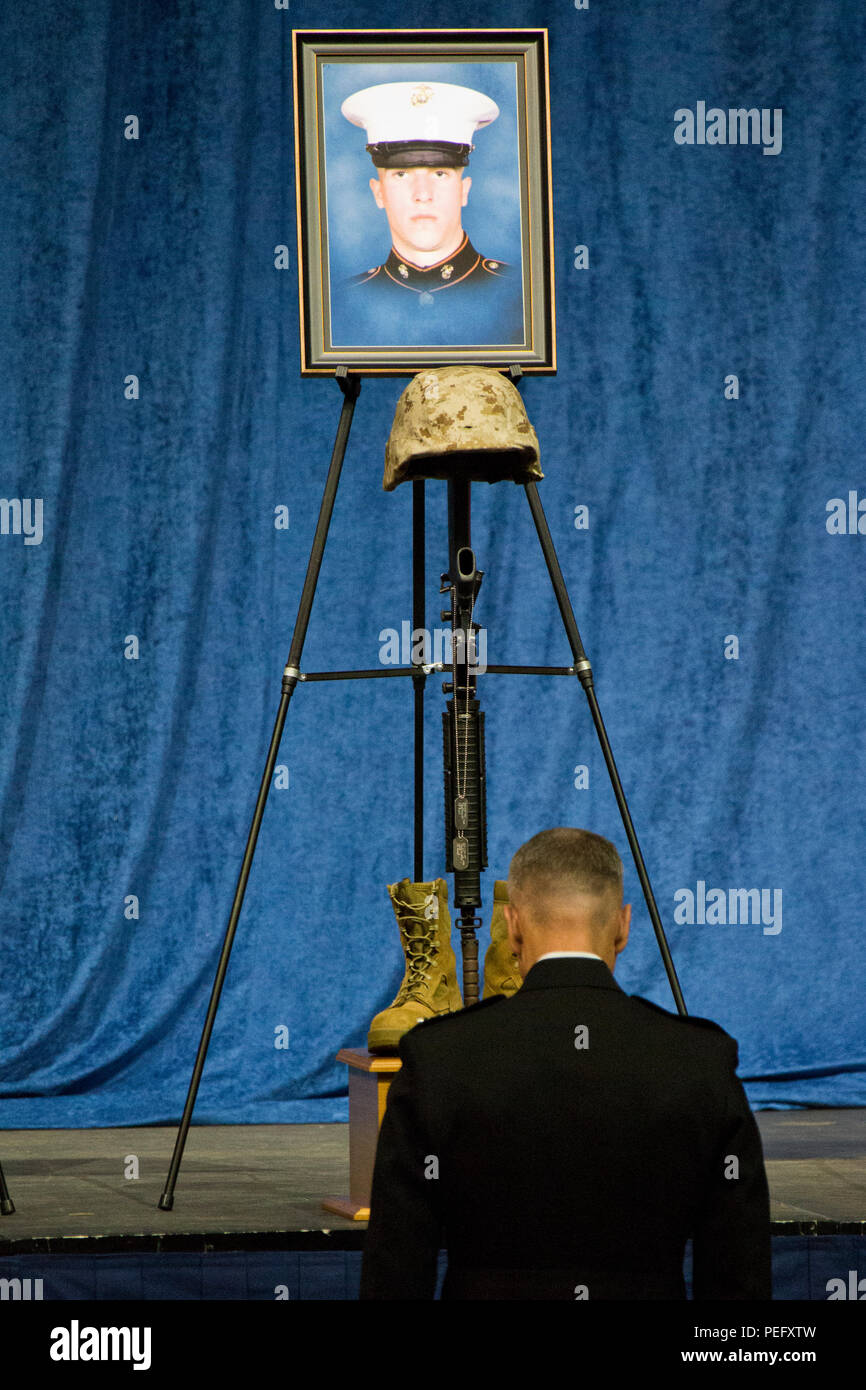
460	1014
680	1018
454	1020
714	1033
494	267
365	275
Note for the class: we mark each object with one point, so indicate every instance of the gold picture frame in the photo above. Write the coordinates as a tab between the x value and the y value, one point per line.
499	307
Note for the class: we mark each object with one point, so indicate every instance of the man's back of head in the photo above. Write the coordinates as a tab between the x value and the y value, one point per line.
565	894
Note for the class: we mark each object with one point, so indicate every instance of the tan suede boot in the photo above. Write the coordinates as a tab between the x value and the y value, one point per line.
501	971
429	986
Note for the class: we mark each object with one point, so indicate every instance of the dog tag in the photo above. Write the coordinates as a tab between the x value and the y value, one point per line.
461	812
460	853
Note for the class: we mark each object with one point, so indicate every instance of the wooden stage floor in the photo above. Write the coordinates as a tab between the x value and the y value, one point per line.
261	1186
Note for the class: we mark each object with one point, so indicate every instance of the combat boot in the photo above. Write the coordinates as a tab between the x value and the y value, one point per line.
501	971
429	986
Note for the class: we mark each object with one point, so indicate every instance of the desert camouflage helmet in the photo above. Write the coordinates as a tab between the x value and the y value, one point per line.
466	421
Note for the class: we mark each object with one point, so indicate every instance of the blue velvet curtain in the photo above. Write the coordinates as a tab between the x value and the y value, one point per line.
707	411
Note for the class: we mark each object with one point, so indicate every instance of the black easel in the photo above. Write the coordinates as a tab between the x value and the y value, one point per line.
7	1206
462	582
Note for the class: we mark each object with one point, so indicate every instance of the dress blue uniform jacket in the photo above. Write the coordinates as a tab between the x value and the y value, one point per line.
566	1143
464	300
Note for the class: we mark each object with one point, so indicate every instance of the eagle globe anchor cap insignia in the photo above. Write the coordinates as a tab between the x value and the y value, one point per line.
466	421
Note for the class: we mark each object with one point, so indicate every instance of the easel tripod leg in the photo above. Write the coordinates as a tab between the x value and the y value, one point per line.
7	1206
584	672
350	387
419	680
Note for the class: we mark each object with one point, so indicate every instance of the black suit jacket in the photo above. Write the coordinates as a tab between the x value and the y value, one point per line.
566	1143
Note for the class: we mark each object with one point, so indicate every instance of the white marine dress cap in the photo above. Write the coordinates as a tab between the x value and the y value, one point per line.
419	123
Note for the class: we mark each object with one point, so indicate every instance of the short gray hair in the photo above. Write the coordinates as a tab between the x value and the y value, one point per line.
567	859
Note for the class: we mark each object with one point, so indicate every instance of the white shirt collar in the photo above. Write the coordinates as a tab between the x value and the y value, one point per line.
562	955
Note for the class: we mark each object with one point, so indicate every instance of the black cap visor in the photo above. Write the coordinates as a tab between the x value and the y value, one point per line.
413	154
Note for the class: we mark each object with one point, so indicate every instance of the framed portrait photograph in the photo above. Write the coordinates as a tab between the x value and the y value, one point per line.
425	232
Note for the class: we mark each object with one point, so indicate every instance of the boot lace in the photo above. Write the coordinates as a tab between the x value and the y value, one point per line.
418	930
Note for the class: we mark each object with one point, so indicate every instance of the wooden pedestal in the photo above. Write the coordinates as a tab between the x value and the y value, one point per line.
369	1080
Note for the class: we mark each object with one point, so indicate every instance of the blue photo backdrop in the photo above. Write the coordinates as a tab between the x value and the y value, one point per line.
358	235
161	468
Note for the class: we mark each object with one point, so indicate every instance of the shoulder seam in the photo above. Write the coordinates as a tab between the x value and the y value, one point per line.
365	276
426	1023
680	1018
